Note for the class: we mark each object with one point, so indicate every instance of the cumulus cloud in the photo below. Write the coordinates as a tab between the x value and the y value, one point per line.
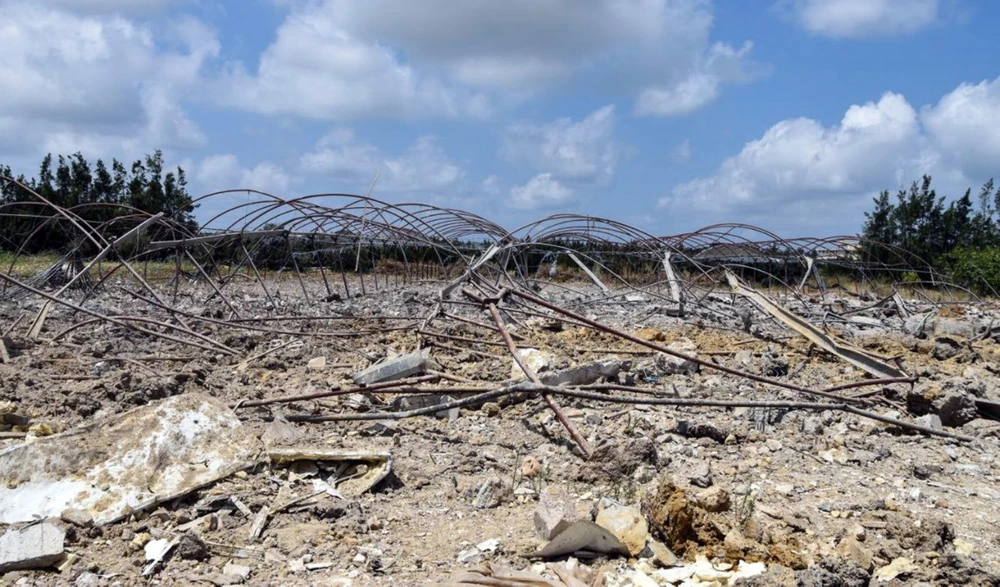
223	172
583	150
862	18
109	6
422	167
97	81
348	59
824	176
962	124
541	191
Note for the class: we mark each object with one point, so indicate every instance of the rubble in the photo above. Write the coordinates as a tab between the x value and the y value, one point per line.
340	402
36	546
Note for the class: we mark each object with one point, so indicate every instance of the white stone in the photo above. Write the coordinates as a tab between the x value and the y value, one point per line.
34	547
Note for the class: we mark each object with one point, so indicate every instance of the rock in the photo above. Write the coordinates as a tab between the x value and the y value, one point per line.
35	547
538	360
393	369
853	551
87	579
833	572
554	512
316	364
490	545
530	467
701	430
714	499
957	409
77	517
663	555
613	460
490	494
190	547
627	524
701	476
899	567
963	547
812	425
471	556
930	421
641	579
234	570
671	365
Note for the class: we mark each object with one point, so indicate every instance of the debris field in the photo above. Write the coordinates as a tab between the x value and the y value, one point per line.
340	391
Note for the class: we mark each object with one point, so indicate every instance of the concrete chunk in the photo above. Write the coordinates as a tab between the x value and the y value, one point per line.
393	369
34	547
555	511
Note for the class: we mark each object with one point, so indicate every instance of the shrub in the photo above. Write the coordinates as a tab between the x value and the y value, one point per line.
976	269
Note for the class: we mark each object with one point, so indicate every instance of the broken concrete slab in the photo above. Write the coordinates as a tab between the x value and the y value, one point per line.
555	511
393	369
360	471
37	546
125	463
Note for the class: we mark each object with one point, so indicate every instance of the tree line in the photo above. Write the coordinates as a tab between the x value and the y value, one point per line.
960	239
97	194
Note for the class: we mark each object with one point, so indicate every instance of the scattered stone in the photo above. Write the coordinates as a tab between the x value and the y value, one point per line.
554	512
316	364
490	545
490	494
714	499
35	547
613	460
393	369
663	555
627	524
963	547
671	365
491	409
854	552
87	579
930	421
80	518
530	467
234	570
190	547
812	425
899	567
471	556
701	430
701	476
292	537
956	409
537	360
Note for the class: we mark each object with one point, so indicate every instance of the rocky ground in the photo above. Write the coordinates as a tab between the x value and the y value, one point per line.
694	494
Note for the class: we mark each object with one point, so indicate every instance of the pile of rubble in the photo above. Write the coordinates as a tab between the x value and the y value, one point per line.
493	425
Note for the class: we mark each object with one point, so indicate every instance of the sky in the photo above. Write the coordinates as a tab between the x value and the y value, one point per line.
666	114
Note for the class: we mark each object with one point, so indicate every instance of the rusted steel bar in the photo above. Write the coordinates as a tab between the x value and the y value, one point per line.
335	391
686	357
530	373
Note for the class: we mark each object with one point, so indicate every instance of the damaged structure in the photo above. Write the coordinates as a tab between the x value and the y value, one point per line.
307	386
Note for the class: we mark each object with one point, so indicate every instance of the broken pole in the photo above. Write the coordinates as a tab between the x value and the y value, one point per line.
530	374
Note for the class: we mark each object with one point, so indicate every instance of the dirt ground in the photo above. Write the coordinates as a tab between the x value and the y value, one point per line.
821	497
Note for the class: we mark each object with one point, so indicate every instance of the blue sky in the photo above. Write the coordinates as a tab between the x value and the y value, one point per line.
667	114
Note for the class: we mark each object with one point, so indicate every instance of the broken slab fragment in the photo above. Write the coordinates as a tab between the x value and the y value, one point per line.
125	463
35	547
393	369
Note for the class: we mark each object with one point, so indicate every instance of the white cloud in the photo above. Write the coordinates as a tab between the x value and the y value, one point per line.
862	18
348	59
490	185
224	172
422	167
583	150
963	125
876	145
98	82
109	6
813	177
541	191
317	69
